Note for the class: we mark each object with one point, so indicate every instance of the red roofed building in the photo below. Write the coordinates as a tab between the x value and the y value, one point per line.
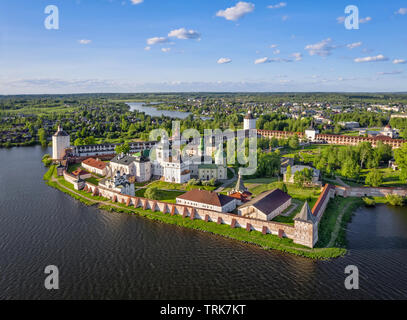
95	166
79	173
210	200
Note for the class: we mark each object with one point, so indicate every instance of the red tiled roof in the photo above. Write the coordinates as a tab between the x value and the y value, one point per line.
95	163
79	172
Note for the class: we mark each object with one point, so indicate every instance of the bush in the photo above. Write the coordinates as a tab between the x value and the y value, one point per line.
369	202
395	200
194	182
152	193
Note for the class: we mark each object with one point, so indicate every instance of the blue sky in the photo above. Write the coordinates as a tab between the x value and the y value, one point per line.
288	45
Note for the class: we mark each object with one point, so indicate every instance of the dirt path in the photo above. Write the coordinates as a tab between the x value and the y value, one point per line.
337	227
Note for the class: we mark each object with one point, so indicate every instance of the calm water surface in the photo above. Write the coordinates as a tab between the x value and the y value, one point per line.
104	255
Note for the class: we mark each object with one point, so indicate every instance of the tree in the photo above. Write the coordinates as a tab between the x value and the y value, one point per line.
400	155
303	177
123	148
78	142
383	152
42	137
152	193
374	178
293	142
350	169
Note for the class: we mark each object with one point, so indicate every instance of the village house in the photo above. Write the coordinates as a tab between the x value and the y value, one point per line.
266	206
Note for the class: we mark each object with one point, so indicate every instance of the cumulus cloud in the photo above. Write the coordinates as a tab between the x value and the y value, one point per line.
277	51
399	61
322	48
184	34
235	13
136	1
273	46
156	40
165	49
365	20
224	60
377	58
148	48
402	11
354	45
278	5
85	41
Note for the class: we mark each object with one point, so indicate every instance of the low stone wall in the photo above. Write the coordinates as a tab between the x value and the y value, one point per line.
368	191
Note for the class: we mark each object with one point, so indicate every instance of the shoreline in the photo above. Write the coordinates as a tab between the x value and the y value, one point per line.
267	242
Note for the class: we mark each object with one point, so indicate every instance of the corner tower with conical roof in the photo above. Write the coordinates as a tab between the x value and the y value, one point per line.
306	227
60	142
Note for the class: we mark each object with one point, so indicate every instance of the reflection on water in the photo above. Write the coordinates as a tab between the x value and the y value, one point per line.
154	112
110	255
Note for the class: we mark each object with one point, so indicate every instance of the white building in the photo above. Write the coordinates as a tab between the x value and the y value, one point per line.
249	121
95	166
209	200
60	142
311	134
119	183
139	167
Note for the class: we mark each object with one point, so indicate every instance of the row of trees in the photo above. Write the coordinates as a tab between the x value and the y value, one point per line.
350	160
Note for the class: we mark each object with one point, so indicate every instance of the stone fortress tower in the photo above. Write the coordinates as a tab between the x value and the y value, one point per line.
249	121
60	142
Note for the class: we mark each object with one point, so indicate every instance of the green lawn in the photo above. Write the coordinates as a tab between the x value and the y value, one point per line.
164	195
93	180
175	186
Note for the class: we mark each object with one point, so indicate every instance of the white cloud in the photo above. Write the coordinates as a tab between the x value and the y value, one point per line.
277	51
377	58
183	33
136	1
278	5
389	73
224	60
261	60
297	56
165	49
269	60
274	46
85	41
322	48
402	11
156	40
365	20
235	13
340	19
354	45
148	48
399	61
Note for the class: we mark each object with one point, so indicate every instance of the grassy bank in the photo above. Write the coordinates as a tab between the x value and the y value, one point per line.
254	237
326	227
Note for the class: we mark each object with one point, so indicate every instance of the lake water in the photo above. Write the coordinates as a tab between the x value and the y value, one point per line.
154	112
103	255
